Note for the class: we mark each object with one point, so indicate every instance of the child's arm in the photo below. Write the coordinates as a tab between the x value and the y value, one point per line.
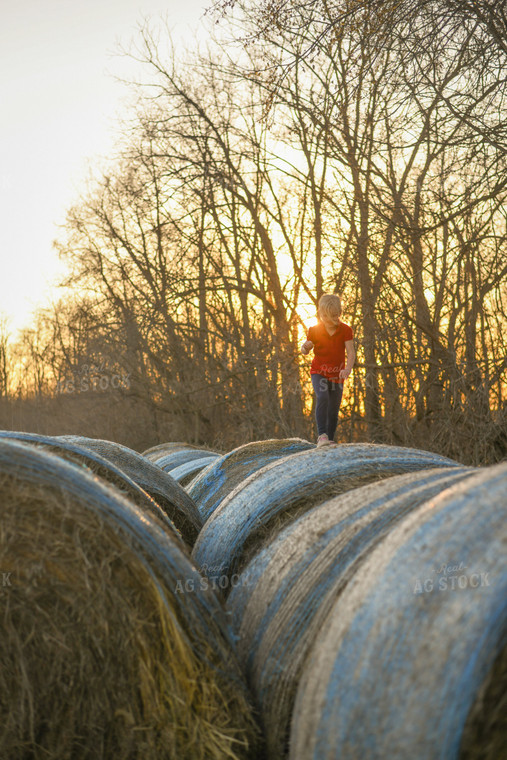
351	357
306	347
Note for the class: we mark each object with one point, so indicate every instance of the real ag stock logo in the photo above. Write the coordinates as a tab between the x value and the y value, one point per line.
451	577
95	378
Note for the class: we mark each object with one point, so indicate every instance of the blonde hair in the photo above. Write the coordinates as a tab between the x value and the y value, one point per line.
330	307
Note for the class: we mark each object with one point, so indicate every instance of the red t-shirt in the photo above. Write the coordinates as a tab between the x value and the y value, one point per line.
329	350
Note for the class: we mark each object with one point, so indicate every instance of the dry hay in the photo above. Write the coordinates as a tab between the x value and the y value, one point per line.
169	462
283	596
100	467
168	494
216	481
187	472
271	497
409	661
100	657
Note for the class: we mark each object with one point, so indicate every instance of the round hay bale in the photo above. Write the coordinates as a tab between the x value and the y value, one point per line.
165	448
100	656
168	494
213	484
186	472
282	598
100	467
411	660
258	508
169	462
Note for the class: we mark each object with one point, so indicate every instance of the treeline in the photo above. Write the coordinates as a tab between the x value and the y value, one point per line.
355	147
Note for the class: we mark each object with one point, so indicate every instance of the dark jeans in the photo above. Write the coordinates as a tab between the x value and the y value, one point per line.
329	396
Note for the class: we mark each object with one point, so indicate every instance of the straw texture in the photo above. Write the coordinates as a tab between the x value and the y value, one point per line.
412	655
100	656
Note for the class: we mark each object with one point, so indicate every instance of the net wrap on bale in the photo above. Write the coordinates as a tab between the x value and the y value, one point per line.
283	596
258	508
101	656
217	480
100	467
411	660
171	461
184	473
168	494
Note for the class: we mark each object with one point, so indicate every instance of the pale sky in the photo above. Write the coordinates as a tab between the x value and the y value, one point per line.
58	108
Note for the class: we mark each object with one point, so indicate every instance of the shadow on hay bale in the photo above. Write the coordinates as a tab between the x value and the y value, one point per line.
168	494
100	467
100	656
216	481
260	506
411	661
283	597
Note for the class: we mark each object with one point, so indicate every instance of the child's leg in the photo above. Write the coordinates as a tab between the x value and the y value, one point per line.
320	386
335	397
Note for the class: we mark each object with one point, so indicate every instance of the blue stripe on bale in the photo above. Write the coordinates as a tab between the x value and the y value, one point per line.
101	467
396	669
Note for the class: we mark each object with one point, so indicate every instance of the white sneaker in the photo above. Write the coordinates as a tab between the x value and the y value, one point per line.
323	440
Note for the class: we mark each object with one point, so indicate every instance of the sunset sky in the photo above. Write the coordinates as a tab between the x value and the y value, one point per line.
59	106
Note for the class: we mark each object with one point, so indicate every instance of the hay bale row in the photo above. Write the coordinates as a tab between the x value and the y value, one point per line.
101	657
344	653
170	497
283	596
411	661
262	504
125	650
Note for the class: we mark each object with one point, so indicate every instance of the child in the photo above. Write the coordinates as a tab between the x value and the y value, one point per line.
331	339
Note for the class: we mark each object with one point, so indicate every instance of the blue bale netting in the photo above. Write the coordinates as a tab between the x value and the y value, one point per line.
280	601
169	462
258	508
171	497
216	481
411	661
100	467
102	653
186	472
